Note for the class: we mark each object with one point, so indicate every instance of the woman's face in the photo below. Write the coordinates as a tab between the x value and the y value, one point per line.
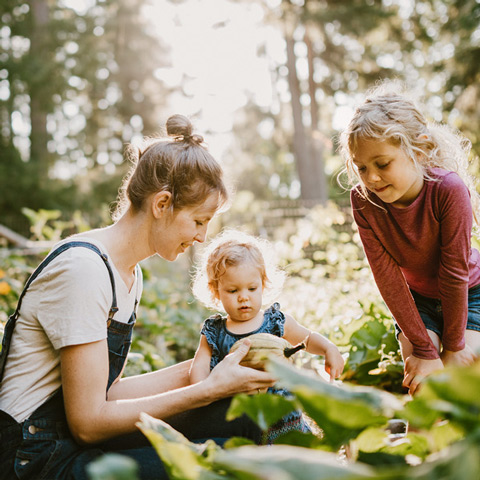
178	230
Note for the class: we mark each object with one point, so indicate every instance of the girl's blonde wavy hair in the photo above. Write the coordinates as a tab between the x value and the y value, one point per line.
390	114
231	248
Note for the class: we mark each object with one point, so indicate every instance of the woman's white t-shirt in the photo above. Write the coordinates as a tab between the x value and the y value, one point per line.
67	304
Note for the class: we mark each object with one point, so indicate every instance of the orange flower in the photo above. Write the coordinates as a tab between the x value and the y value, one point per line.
5	288
2	273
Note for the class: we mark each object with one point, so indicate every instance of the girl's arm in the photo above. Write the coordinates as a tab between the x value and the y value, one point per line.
316	344
455	216
392	284
93	418
201	362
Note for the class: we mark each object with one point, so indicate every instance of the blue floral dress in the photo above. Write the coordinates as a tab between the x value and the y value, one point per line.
220	340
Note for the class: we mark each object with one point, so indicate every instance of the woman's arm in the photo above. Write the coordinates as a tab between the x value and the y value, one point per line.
146	384
201	362
92	418
316	344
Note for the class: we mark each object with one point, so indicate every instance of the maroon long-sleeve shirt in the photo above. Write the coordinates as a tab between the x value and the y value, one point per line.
426	247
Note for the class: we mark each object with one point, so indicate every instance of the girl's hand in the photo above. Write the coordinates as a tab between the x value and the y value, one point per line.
462	357
416	369
334	362
229	378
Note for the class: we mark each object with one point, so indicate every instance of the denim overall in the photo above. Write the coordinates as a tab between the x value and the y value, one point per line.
42	447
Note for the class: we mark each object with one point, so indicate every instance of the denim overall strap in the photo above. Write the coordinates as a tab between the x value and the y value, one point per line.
119	340
41	447
9	327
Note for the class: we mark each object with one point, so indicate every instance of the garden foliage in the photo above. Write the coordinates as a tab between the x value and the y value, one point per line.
442	441
329	289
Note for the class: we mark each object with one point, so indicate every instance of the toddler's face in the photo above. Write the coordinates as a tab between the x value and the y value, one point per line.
240	290
386	170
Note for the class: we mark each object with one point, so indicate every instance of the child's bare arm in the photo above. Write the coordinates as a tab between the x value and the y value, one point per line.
316	344
200	368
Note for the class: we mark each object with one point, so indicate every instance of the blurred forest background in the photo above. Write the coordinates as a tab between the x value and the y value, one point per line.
80	79
269	83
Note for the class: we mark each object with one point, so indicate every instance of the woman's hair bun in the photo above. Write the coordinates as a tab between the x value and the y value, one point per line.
180	127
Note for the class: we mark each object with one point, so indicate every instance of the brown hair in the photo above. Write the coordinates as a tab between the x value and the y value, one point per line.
181	165
229	249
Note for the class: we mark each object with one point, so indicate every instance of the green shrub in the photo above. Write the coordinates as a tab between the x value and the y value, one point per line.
442	440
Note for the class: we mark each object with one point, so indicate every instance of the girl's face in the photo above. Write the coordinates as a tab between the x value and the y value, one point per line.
179	230
240	290
388	172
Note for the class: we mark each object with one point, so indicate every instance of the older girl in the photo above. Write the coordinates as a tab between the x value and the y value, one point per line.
62	399
413	206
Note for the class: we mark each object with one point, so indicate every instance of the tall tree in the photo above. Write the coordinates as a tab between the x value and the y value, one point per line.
75	86
331	48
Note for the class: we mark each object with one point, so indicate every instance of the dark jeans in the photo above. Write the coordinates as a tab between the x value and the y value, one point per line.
430	310
42	447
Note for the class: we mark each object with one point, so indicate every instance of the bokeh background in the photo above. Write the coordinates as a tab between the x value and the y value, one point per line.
268	83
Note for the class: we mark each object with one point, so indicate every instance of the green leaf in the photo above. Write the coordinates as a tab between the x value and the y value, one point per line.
236	442
444	434
460	461
328	403
375	440
299	439
372	440
412	444
281	462
183	460
264	409
419	413
453	392
113	466
381	459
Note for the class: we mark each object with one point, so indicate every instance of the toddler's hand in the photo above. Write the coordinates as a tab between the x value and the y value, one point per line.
334	362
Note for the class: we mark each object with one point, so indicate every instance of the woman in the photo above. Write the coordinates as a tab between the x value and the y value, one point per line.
62	399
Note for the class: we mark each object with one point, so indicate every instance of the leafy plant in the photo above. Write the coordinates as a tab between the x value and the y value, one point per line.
113	466
374	357
445	443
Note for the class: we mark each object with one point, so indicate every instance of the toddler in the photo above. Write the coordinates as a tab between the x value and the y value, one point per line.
238	275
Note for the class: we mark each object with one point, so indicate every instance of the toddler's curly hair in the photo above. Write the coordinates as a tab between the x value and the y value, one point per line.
231	248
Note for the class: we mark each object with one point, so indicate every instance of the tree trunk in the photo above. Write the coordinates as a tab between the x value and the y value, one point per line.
316	144
301	147
38	110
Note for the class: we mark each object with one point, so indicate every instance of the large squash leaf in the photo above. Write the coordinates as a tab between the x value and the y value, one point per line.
264	409
341	411
281	462
183	460
452	393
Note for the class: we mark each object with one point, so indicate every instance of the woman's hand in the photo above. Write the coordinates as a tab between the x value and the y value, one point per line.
416	369
229	377
462	357
334	362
